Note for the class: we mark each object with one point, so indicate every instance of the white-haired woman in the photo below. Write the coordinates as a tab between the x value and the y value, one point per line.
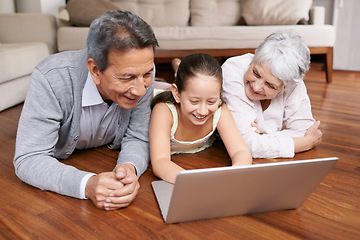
266	94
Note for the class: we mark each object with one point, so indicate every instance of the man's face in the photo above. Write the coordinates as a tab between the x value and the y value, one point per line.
126	77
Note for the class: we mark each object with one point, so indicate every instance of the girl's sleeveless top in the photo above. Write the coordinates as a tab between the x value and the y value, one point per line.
191	146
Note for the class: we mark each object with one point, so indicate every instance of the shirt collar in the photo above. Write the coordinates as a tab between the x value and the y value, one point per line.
91	95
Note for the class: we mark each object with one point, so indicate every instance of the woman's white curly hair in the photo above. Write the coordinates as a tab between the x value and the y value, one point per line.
287	54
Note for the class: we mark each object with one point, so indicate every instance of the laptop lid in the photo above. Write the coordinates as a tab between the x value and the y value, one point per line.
231	191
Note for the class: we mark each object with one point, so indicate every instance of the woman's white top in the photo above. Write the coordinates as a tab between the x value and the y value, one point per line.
288	116
191	146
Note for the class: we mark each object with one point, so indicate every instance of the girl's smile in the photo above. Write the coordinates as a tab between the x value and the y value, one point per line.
199	100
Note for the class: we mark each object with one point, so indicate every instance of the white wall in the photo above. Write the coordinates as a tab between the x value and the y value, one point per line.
7	6
347	43
51	6
329	8
345	16
39	6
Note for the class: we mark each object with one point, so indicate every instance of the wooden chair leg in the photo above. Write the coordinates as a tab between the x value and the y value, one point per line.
329	65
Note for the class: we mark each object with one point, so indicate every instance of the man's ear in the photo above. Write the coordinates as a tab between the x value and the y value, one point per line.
175	92
94	70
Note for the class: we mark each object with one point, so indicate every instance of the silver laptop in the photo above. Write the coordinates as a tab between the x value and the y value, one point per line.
231	191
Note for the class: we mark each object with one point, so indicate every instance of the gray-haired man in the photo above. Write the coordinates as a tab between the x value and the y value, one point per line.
88	98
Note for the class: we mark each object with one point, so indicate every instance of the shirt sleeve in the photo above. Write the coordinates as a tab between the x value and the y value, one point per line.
83	183
37	136
297	111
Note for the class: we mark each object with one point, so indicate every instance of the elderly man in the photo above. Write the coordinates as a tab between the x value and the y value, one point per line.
89	98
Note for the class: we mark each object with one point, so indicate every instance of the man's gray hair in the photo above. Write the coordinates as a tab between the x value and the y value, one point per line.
117	30
287	54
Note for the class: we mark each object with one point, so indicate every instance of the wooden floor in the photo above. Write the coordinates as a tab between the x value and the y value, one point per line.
331	212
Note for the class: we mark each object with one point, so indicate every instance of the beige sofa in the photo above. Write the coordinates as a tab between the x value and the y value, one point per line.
25	40
216	26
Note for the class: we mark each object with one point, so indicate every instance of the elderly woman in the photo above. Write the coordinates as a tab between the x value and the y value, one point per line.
267	97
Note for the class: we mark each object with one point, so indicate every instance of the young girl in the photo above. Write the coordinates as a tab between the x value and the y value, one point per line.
184	119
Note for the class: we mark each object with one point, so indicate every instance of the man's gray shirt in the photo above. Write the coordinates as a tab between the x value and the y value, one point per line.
50	121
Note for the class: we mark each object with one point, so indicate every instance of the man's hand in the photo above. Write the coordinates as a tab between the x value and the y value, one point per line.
118	198
113	190
99	187
126	173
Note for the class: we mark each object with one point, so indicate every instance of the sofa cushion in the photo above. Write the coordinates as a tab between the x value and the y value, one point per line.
235	37
63	15
158	12
276	12
13	92
220	37
72	38
215	12
20	59
29	27
83	12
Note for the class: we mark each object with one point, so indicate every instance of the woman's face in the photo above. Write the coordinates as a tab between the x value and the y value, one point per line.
260	83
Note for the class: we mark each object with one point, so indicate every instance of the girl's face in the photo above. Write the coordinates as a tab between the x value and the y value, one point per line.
199	99
260	83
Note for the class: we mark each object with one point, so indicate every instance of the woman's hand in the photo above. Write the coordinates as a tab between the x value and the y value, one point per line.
314	135
311	139
255	125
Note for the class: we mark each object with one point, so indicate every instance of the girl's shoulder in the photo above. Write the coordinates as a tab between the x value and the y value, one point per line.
225	112
161	115
161	107
224	107
163	110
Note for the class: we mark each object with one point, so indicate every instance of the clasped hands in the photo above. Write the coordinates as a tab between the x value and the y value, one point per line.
113	190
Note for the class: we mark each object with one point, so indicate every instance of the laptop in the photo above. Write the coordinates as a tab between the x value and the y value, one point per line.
208	193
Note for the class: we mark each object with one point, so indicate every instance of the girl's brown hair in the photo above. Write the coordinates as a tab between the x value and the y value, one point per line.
190	66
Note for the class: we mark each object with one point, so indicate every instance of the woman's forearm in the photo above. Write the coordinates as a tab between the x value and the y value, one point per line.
311	139
302	144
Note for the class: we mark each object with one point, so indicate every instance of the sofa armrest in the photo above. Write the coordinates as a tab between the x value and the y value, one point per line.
29	27
317	15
